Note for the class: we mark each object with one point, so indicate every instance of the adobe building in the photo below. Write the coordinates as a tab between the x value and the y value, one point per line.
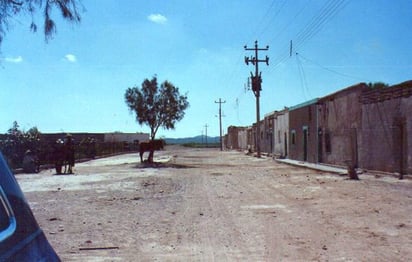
232	137
236	137
126	137
250	138
242	138
303	132
339	126
387	125
277	133
268	125
262	140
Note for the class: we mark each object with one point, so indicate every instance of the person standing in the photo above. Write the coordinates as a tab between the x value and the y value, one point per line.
69	153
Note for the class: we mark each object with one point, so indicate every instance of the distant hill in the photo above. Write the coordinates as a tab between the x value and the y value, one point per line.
195	139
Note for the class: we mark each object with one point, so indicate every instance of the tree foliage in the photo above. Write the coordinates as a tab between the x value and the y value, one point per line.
377	85
156	106
9	9
16	142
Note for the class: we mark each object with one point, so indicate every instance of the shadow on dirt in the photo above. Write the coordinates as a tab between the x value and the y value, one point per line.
63	174
146	164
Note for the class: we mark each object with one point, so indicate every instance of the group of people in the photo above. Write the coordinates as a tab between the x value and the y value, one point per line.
64	155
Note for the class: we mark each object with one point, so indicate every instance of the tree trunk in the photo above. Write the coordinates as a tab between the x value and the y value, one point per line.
151	151
351	170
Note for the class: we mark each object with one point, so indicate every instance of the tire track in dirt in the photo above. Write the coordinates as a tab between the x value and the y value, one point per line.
184	226
210	218
226	238
258	207
270	205
299	194
233	240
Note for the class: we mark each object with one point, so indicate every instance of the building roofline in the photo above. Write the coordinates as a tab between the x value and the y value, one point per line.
360	86
278	112
406	84
307	103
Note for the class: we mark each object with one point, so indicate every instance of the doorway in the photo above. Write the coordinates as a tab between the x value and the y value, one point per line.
305	144
285	141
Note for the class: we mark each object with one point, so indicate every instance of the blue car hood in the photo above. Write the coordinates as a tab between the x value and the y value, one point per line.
21	238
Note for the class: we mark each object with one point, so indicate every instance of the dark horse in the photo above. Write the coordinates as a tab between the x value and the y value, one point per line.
150	146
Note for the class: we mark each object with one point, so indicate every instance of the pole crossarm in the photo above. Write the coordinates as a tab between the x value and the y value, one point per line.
254	60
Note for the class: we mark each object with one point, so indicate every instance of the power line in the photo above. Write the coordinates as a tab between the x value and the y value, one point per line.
331	70
269	9
272	19
302	77
330	9
327	12
258	25
291	21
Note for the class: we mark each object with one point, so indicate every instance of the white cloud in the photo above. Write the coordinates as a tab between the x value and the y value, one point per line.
157	18
15	60
70	58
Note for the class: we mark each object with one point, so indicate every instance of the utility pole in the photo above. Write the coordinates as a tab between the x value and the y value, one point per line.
220	102
206	134
257	85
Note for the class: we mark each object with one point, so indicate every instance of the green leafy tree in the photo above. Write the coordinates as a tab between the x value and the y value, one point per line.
156	106
9	9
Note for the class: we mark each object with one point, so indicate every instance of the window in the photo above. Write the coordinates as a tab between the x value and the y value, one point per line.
293	137
7	219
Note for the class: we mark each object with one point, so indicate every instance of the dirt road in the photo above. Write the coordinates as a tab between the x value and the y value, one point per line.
207	205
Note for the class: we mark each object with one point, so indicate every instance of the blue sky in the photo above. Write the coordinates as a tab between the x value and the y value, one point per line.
76	81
